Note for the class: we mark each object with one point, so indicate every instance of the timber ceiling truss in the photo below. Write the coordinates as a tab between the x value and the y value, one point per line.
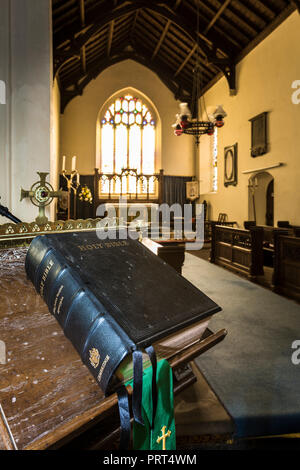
91	35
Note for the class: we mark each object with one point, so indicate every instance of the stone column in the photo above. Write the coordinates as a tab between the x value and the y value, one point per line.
26	68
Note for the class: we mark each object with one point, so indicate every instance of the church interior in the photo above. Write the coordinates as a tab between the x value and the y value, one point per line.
189	105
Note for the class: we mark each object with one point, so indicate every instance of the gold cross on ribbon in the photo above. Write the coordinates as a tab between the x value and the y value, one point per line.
164	437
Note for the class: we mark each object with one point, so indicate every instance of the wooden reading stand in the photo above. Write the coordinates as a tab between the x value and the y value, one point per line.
172	253
48	397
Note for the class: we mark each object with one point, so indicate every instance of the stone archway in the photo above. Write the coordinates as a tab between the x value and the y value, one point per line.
261	198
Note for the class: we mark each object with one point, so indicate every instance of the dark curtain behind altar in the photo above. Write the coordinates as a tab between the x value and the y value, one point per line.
174	189
84	210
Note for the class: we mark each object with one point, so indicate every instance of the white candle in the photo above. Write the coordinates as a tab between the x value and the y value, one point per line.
74	163
63	163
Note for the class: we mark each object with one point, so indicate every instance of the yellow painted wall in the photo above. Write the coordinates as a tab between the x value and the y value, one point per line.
264	82
78	123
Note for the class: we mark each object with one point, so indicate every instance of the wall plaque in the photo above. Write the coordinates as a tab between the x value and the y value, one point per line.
259	145
230	165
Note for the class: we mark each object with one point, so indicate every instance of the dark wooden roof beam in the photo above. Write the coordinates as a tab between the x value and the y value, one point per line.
262	8
162	37
207	70
216	16
297	4
156	21
93	73
257	14
83	59
178	38
121	25
101	36
98	51
245	31
147	32
186	60
110	36
82	50
92	17
58	9
121	42
82	13
67	18
214	38
135	18
188	25
185	43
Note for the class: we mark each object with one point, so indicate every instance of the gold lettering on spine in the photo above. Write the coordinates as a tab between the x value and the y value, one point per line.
59	305
56	299
107	358
97	246
44	276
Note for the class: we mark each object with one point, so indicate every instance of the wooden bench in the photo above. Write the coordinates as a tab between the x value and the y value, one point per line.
208	227
286	276
238	249
268	242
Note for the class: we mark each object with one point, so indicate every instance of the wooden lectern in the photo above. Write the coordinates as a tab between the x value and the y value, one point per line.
48	397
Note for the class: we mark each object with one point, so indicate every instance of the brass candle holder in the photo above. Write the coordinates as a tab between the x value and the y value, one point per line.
73	183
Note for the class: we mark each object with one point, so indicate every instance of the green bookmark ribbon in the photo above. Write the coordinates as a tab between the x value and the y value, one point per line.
162	435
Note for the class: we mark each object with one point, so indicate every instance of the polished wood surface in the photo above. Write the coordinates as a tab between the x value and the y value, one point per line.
45	390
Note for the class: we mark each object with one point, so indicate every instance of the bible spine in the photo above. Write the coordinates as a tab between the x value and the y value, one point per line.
99	340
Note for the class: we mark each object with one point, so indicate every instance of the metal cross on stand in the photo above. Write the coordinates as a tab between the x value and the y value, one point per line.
41	195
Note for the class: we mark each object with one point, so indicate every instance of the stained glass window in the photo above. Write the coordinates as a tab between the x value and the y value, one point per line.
127	142
214	143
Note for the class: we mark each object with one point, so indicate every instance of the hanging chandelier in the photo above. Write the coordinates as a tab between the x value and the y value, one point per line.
187	121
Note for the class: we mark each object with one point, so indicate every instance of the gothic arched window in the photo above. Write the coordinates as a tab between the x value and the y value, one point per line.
127	143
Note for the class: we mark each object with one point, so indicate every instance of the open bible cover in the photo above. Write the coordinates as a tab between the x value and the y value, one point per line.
113	296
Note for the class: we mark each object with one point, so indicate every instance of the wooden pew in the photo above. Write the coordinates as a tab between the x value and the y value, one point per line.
286	276
208	227
286	225
268	242
238	249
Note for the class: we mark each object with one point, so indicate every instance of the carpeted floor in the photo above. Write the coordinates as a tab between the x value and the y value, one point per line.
265	280
251	371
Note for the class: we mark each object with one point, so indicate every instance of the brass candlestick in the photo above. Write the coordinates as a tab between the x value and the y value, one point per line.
73	183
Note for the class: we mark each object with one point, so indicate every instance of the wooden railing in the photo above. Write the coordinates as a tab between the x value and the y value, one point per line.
238	249
286	276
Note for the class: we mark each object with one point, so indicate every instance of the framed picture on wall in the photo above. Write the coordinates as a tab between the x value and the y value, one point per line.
259	145
192	190
230	165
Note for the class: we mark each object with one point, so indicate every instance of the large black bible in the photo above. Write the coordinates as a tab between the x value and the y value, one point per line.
112	297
